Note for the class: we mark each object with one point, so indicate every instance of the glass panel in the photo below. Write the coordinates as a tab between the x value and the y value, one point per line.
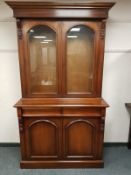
42	45
80	54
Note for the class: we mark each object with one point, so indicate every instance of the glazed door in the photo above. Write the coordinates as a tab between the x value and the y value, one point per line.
62	59
81	137
80	49
41	43
43	137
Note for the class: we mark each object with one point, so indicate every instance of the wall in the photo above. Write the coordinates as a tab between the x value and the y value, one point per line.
116	80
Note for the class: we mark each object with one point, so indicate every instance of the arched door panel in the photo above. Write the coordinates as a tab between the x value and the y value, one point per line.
80	138
41	41
43	138
80	49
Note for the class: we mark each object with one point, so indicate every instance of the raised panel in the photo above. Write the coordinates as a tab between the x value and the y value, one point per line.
43	138
80	138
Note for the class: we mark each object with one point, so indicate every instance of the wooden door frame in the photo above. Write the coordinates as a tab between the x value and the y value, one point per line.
98	57
26	26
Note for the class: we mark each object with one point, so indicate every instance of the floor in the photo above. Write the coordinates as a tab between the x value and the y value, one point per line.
117	162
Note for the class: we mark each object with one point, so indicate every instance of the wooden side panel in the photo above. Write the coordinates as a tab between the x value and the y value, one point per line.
80	138
42	138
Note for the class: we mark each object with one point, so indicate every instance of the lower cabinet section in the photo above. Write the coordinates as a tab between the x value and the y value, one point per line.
61	135
61	142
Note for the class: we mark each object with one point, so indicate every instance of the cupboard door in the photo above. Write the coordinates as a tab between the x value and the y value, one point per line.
80	138
43	138
80	58
42	57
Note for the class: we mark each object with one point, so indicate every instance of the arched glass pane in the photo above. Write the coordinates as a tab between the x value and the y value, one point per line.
80	58
42	48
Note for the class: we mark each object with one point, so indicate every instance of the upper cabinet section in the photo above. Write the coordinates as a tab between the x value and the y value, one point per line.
61	58
61	9
61	47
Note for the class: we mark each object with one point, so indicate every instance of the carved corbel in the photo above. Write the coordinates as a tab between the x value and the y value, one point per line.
19	29
20	120
102	123
102	29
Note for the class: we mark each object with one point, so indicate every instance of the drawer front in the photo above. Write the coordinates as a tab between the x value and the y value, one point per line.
80	111
65	111
42	112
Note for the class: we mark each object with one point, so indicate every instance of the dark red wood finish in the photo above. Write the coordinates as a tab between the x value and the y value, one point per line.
61	130
57	9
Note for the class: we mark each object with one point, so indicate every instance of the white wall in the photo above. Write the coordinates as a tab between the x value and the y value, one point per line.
116	80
